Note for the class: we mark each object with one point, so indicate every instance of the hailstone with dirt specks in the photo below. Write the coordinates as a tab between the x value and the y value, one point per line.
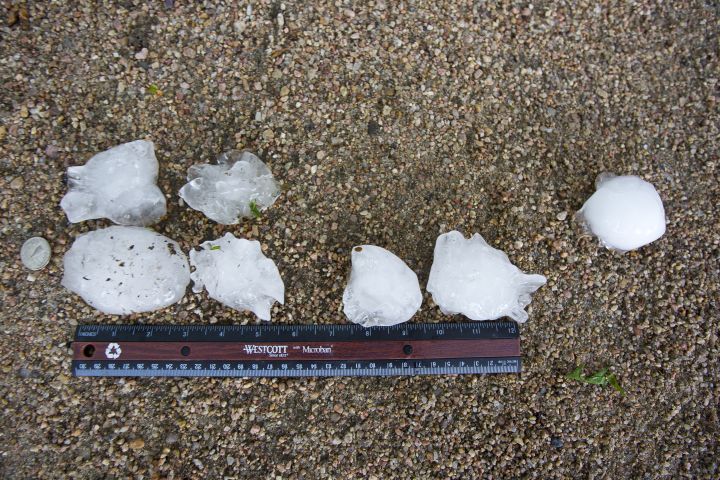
122	270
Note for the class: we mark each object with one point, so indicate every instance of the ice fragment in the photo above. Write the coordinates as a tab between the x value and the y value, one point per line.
225	192
382	290
469	276
625	212
237	274
121	270
118	184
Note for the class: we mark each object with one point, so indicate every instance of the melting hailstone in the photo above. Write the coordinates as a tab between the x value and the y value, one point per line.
118	184
469	276
239	186
625	212
382	290
122	270
237	274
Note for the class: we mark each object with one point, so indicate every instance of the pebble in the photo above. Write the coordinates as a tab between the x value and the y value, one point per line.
137	444
17	183
373	128
52	151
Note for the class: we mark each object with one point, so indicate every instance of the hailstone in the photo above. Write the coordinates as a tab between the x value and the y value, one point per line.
121	270
625	212
236	273
382	290
239	186
470	277
118	184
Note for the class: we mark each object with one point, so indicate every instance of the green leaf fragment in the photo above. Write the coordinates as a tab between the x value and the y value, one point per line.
254	209
601	377
616	385
215	247
153	89
576	374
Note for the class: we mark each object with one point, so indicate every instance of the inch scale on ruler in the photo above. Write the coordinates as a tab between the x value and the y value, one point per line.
295	350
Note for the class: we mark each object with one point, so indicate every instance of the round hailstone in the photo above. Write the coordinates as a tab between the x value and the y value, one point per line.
118	184
239	186
382	290
122	270
237	274
625	212
469	276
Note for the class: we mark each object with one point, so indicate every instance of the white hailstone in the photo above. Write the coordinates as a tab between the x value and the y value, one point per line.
625	212
118	184
122	270
382	290
239	186
469	276
237	274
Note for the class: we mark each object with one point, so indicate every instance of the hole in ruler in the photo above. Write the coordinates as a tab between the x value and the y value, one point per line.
407	349
358	249
185	351
89	350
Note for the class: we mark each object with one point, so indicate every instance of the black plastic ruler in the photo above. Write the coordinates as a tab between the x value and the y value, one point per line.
295	350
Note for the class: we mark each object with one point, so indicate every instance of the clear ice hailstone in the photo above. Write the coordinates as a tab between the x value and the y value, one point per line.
237	274
625	212
225	192
118	184
382	290
122	270
469	276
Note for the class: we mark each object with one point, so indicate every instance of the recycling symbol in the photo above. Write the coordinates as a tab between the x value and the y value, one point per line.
113	351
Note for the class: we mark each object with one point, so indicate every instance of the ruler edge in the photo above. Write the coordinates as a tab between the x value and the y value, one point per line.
267	326
262	373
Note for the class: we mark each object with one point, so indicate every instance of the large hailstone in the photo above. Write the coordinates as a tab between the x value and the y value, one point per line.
382	290
239	186
121	270
118	184
237	274
469	276
625	212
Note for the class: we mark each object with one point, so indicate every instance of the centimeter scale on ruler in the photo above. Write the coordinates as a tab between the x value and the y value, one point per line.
296	350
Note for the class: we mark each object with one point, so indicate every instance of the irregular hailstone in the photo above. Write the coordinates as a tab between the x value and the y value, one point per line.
237	187
469	276
625	212
118	184
237	274
382	290
121	270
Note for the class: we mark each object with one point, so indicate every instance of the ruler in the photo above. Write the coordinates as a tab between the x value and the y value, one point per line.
295	350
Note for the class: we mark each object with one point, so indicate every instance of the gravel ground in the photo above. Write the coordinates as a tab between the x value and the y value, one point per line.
387	123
